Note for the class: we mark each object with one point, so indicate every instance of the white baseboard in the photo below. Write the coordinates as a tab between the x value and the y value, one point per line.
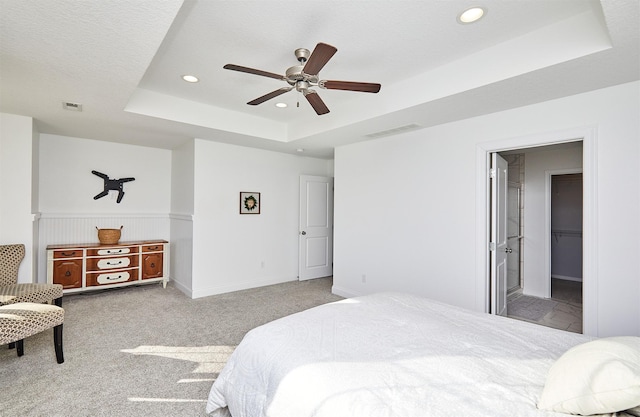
343	292
183	288
239	286
566	278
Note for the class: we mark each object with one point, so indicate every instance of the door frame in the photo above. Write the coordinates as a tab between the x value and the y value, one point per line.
588	136
547	222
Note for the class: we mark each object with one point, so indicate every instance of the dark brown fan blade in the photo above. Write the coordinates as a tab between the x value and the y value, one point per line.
316	102
269	96
351	86
253	71
319	57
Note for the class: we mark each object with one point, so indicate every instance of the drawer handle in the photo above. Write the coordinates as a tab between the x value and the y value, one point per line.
114	278
114	263
68	253
152	248
115	251
153	265
67	274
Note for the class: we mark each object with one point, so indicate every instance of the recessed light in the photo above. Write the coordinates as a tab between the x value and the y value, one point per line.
472	14
190	78
281	105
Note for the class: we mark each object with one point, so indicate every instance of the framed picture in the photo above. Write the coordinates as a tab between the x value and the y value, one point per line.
249	202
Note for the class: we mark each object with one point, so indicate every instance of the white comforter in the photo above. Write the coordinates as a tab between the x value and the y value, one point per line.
389	355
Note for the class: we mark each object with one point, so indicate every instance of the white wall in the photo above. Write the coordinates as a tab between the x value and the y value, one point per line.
35	168
182	178
536	272
68	186
233	251
182	202
68	212
35	200
405	206
16	177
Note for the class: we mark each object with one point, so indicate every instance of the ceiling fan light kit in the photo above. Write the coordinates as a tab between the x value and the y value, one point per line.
305	75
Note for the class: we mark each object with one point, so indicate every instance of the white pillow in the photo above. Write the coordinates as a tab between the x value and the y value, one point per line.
597	377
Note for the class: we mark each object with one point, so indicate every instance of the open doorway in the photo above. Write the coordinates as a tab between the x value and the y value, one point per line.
566	207
534	251
544	222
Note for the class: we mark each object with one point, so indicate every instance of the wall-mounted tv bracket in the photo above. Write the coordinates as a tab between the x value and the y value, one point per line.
111	184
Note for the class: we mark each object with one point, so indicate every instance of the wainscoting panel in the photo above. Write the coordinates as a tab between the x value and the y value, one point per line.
61	229
182	252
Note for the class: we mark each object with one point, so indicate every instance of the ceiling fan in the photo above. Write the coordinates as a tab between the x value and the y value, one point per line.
305	75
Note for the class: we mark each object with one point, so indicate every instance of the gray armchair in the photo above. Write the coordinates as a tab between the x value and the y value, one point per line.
11	292
21	320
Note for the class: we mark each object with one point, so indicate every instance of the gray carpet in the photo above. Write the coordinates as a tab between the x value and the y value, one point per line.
530	308
141	351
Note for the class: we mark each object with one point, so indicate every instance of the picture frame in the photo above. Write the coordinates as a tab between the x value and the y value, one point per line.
249	202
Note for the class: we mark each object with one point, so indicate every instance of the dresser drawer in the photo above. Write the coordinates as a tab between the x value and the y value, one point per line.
110	251
157	247
112	262
112	277
67	253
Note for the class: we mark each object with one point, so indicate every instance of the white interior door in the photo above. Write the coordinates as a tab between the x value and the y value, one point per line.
315	248
498	245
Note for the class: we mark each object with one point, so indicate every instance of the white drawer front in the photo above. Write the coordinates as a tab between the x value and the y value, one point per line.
114	251
113	278
113	263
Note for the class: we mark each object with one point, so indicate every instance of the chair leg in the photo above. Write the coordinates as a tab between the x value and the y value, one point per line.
20	347
57	342
58	301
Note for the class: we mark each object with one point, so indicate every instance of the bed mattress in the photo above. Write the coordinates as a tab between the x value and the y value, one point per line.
388	355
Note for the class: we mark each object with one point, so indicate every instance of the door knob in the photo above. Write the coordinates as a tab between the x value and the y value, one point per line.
303	233
508	250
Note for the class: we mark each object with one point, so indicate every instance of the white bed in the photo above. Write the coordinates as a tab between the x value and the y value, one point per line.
389	355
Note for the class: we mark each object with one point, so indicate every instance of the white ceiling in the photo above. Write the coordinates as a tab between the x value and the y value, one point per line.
123	61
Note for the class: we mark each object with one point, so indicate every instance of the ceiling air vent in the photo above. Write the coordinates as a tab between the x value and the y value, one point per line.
394	131
67	105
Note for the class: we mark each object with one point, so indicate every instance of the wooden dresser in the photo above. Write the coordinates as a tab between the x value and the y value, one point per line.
90	267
